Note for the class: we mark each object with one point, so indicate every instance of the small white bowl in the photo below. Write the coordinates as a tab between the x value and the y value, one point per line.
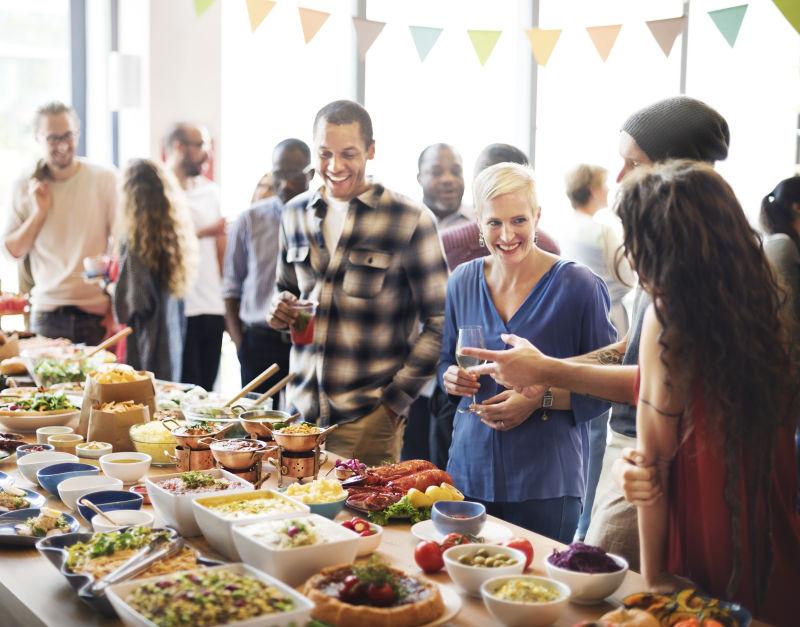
370	544
93	453
42	433
470	578
520	614
294	565
123	518
589	588
30	464
70	490
127	472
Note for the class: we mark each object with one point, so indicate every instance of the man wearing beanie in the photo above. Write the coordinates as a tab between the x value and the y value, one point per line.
679	128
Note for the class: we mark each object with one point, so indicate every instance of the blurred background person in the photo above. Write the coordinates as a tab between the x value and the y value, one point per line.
158	259
265	188
595	243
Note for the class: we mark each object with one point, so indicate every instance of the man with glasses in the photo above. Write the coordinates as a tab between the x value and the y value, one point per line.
250	260
186	148
60	214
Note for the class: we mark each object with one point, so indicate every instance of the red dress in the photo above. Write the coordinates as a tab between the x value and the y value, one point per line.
699	543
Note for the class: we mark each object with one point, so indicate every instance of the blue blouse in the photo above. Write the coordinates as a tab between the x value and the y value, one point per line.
566	314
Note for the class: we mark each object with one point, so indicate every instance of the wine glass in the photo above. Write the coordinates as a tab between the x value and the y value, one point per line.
472	337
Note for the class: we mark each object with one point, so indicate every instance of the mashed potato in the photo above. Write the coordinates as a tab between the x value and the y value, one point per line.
318	491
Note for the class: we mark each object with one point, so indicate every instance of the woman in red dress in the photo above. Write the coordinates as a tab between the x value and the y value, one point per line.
715	480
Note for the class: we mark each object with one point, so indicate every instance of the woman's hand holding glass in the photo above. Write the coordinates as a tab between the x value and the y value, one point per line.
507	410
460	382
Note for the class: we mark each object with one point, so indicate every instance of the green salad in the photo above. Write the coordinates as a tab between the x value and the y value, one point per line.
103	544
40	402
402	509
51	370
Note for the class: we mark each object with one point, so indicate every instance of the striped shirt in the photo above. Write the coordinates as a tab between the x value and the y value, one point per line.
380	299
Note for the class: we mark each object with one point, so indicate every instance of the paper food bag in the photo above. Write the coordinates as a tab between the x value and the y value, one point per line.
97	391
113	427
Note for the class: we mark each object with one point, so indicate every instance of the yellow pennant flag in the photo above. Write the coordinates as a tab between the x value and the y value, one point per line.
311	21
258	10
542	43
484	42
604	38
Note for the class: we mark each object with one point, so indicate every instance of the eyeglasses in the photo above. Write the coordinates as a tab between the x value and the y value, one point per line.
55	140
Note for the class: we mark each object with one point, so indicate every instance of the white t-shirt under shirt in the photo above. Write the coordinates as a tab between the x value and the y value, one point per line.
205	296
78	225
333	224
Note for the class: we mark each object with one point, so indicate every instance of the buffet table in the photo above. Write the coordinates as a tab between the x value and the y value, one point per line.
33	592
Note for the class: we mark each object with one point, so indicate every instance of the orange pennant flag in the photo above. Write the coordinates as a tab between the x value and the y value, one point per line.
604	38
258	10
311	21
666	32
542	43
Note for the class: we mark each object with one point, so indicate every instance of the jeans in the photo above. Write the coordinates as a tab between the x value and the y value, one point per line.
260	348
598	432
555	518
202	350
443	414
415	438
69	322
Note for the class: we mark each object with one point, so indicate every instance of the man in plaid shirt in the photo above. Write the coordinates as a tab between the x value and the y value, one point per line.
373	262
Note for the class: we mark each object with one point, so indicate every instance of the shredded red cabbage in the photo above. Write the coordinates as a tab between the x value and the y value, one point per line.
584	558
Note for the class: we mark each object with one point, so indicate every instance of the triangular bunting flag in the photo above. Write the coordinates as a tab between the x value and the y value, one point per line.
604	38
258	10
791	11
201	6
729	21
542	43
425	38
311	21
484	42
367	32
666	32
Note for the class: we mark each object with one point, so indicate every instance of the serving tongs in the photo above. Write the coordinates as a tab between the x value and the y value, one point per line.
160	548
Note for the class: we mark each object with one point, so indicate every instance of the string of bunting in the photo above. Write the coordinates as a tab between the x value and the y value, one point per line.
542	41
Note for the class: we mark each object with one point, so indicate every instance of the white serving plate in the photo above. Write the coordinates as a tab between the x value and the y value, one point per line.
492	532
299	616
176	509
295	565
28	423
218	530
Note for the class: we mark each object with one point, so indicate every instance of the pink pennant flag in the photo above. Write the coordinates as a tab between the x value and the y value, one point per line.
666	32
367	32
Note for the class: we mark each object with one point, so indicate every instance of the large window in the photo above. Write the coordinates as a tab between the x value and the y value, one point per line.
34	68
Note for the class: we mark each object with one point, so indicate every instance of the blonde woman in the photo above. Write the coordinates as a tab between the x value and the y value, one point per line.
158	252
522	457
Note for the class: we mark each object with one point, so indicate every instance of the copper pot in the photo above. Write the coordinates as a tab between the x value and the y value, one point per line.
227	454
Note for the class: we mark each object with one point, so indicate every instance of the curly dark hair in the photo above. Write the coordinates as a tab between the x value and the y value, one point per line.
712	287
154	225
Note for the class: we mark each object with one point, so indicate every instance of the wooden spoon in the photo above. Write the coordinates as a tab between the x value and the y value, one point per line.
97	511
254	383
275	389
110	341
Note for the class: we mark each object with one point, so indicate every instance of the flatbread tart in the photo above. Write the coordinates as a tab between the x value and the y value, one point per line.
372	593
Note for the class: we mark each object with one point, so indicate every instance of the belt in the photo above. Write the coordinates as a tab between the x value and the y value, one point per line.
70	310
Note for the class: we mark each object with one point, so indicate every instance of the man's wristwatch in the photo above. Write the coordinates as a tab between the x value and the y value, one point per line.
547	402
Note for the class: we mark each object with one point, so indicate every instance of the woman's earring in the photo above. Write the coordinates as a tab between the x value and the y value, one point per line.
481	241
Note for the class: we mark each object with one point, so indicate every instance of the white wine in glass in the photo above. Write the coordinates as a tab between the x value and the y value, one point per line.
469	337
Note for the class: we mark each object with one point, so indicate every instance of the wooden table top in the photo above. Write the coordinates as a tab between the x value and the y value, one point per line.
33	592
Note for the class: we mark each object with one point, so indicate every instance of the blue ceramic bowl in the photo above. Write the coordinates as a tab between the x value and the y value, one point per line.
50	476
109	500
465	517
23	450
329	510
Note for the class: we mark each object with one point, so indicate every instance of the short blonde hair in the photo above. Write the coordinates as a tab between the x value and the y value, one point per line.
504	178
581	180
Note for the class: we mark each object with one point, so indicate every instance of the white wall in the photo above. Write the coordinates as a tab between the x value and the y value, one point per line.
184	70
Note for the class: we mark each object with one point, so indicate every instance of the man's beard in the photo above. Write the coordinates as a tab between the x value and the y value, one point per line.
190	168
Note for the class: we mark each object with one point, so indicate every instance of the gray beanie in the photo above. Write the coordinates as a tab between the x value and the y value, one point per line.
680	128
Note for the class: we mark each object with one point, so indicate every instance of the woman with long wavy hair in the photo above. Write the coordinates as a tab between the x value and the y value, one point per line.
158	252
717	398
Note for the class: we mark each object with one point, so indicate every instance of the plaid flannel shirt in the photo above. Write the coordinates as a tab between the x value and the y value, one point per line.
380	303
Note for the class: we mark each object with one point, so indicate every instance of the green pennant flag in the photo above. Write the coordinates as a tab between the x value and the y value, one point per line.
729	21
791	11
425	38
201	6
484	42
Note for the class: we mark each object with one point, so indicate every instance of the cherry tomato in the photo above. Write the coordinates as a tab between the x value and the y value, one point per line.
348	524
359	525
352	590
381	595
454	539
521	544
428	555
367	533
